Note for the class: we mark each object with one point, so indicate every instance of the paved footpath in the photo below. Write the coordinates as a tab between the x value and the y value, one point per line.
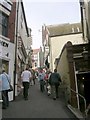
39	105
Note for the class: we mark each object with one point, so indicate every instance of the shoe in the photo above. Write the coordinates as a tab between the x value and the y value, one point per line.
26	98
49	94
57	97
8	105
54	98
4	108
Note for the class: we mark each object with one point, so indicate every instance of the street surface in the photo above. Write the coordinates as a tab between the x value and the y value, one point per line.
39	105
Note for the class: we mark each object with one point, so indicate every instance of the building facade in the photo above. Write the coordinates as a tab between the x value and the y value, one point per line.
15	36
22	40
74	69
57	37
35	58
7	47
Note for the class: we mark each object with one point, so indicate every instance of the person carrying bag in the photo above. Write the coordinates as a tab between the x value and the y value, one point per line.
4	78
11	87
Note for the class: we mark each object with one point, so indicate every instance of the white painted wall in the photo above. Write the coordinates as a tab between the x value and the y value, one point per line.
21	26
11	50
57	43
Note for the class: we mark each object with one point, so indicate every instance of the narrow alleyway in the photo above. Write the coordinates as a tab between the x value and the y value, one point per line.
39	105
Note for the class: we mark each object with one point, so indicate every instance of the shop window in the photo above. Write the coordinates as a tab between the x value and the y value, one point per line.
3	24
81	65
35	64
4	64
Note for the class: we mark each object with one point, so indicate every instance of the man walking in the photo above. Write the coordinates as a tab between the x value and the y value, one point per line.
26	76
41	77
54	81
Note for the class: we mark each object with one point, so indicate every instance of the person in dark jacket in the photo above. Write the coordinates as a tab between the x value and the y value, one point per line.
54	81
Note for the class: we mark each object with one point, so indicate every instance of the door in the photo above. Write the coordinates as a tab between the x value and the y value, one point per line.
83	81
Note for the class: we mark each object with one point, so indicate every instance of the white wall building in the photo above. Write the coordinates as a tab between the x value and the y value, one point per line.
56	36
57	43
35	58
7	58
23	39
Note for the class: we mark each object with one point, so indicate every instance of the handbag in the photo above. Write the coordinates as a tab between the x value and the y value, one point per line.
58	83
11	87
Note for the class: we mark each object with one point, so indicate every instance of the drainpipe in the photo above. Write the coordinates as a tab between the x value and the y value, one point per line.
15	64
81	9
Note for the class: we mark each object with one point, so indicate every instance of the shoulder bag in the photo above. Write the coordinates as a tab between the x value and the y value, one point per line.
11	88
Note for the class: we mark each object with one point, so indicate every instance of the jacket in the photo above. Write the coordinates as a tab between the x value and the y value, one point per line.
4	84
54	78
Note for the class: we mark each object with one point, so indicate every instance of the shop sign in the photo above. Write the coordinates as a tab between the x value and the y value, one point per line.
6	4
4	44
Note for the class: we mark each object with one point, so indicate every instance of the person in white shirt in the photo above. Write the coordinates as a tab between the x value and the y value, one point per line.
26	76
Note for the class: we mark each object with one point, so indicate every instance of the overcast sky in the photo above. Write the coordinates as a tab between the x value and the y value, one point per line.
49	12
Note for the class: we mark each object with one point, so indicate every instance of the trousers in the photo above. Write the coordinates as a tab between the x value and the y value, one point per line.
5	99
25	89
54	90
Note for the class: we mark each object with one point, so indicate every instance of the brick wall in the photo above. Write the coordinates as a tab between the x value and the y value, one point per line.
11	23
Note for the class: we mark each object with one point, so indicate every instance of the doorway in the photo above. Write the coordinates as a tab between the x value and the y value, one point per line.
83	83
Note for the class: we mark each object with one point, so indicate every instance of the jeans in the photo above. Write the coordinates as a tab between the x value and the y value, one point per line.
54	90
42	85
25	89
5	99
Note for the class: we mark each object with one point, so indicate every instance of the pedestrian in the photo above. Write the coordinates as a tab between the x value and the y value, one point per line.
41	77
47	78
54	81
26	76
31	80
4	87
33	76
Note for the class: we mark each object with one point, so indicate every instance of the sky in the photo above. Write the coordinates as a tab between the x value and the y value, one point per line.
49	12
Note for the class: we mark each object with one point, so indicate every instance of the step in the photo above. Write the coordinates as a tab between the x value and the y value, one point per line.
76	112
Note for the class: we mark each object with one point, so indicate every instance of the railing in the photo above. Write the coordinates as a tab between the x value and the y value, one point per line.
1	101
81	97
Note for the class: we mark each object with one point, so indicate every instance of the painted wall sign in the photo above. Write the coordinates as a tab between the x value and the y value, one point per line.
4	44
6	4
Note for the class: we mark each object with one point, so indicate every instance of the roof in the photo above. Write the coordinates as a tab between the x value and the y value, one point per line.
63	29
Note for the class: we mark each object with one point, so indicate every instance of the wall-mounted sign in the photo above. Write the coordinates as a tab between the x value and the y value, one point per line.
4	44
6	3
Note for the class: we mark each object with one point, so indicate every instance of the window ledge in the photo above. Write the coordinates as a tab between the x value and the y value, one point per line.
4	38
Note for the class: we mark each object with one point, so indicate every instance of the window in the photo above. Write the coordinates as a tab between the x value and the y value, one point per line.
3	24
82	65
35	64
4	64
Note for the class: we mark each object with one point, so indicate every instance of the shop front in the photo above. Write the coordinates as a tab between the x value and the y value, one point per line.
83	79
7	59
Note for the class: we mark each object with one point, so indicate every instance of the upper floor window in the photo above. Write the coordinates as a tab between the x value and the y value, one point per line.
3	24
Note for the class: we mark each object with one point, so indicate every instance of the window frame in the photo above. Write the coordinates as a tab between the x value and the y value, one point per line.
4	24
